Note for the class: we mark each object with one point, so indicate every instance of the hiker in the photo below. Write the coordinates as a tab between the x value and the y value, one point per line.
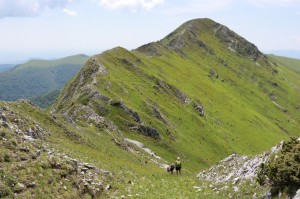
170	168
178	166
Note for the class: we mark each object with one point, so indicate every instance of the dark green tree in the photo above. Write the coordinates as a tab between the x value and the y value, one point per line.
282	171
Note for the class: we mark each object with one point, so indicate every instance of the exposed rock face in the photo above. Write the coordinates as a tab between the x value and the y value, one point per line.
235	167
238	44
150	49
172	90
158	114
131	112
147	131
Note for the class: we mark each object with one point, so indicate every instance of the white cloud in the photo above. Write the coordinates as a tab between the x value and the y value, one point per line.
132	4
274	2
204	6
71	13
25	8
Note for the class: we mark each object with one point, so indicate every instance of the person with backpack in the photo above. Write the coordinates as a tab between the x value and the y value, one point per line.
178	166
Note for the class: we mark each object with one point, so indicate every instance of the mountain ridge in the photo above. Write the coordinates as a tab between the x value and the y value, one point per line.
134	85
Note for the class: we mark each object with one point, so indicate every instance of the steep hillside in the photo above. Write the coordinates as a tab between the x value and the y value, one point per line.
37	77
290	63
201	93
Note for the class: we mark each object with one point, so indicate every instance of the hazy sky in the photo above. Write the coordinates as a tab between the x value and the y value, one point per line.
56	28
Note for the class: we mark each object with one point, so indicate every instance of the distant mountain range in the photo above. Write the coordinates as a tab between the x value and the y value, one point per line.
38	77
6	67
286	53
290	63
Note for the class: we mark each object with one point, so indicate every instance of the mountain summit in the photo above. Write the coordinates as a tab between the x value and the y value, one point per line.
195	34
202	92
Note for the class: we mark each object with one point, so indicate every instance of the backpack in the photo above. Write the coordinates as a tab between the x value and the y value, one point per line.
177	164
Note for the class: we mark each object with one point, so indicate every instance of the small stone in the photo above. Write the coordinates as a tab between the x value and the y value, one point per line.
108	187
31	185
38	153
236	189
106	172
3	117
24	149
235	180
75	162
84	169
4	124
21	185
89	166
23	158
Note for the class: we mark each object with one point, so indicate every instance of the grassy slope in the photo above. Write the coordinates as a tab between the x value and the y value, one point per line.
38	76
290	63
94	147
240	115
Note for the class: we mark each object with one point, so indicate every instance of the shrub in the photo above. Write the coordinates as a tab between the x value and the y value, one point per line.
282	172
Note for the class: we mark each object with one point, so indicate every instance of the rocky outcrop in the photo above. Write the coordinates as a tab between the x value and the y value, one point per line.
237	175
128	110
237	167
147	131
157	113
238	44
172	90
150	49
